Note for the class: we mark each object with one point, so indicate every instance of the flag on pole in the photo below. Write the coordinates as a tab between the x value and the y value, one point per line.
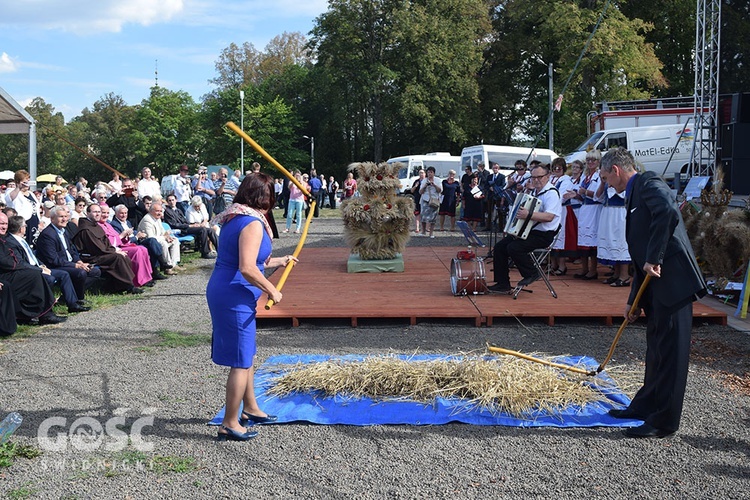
558	102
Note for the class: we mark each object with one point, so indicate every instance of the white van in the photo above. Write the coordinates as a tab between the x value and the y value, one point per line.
443	163
653	147
505	156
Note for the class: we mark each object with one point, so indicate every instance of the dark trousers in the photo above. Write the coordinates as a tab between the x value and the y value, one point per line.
62	280
518	250
81	280
332	199
155	253
203	236
659	401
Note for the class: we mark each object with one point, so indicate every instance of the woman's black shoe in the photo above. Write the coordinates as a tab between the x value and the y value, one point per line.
233	435
248	419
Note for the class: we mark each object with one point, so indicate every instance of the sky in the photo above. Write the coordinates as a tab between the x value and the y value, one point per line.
73	52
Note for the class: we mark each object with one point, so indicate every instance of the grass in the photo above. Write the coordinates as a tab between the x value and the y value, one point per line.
179	465
172	339
24	491
9	451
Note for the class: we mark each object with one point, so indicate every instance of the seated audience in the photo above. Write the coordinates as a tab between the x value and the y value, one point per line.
94	248
204	237
121	224
32	296
55	249
22	250
137	254
151	225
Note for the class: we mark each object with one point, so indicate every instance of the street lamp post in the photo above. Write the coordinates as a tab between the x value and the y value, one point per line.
312	151
242	127
551	111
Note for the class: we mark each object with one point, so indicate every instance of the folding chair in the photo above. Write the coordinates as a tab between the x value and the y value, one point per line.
540	257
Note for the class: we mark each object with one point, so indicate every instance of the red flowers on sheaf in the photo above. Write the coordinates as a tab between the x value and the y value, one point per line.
367	179
379	177
389	206
366	207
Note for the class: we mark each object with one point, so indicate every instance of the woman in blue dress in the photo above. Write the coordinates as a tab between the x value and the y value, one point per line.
233	292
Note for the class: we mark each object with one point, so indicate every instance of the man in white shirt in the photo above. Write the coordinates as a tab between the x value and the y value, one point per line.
182	189
546	220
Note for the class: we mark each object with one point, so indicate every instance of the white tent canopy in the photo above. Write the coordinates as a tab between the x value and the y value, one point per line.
15	120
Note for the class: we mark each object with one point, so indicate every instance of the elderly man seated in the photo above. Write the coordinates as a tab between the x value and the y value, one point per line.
137	254
55	249
121	224
151	225
546	223
95	248
17	242
32	296
204	236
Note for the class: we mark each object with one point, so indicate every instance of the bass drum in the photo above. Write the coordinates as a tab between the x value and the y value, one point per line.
467	277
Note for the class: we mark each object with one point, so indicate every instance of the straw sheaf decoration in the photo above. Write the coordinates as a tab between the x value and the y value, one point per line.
720	238
376	224
376	179
503	384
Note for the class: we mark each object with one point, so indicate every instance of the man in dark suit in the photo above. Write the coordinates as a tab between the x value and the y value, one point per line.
55	250
204	236
32	296
16	240
660	248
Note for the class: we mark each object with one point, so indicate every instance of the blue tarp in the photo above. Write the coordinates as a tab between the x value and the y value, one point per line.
319	409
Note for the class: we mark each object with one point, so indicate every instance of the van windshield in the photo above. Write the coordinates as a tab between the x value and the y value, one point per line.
402	173
590	142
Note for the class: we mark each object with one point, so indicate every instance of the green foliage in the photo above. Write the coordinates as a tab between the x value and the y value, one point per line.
178	465
10	450
173	339
381	78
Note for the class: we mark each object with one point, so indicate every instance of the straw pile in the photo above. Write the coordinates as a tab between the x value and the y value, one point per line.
502	384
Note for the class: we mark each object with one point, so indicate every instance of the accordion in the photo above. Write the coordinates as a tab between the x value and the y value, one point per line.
520	228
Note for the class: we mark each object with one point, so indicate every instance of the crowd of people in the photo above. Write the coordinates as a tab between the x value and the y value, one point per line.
115	236
589	228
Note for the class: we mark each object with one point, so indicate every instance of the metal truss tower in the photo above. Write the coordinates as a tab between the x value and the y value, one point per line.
706	97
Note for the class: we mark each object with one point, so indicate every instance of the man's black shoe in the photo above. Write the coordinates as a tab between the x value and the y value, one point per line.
625	413
78	309
135	290
529	280
150	283
159	276
51	319
82	302
646	431
499	288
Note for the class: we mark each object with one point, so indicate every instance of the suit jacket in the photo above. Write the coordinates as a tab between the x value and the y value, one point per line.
656	234
152	227
175	218
15	255
50	250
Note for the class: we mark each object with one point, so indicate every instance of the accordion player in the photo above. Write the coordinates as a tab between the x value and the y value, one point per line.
538	227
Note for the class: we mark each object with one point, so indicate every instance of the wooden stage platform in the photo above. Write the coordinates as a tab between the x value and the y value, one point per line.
320	288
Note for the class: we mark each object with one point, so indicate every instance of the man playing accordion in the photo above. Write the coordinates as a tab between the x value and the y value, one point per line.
546	223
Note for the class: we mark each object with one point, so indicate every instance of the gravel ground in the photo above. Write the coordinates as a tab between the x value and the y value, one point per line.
107	362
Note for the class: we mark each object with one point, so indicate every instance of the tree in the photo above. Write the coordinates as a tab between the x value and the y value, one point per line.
170	125
400	73
237	66
109	131
619	64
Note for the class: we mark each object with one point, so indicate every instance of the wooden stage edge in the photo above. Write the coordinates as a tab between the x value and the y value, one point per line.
319	288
